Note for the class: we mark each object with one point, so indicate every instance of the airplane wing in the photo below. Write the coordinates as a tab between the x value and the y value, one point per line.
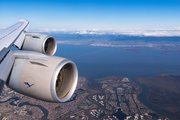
13	35
32	70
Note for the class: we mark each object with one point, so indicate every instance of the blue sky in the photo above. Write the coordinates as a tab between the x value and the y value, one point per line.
88	14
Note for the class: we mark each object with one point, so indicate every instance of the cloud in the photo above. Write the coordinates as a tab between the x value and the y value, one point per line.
83	32
1	28
122	31
178	28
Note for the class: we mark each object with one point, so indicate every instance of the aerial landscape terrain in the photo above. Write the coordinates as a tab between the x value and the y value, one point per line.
116	98
164	92
109	90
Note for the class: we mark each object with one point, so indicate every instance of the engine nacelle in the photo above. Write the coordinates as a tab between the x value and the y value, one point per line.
51	79
40	43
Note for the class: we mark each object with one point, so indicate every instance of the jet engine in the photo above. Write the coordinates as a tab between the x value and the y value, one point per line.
43	77
40	43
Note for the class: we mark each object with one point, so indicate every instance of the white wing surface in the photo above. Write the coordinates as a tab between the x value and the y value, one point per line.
12	35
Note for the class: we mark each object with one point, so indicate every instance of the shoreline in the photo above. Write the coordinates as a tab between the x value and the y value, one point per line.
146	82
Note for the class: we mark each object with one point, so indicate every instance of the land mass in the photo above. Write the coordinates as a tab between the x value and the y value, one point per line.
164	92
124	42
111	98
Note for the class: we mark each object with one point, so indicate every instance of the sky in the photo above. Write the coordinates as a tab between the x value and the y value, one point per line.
92	14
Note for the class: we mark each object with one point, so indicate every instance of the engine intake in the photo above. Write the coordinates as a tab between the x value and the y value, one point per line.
62	83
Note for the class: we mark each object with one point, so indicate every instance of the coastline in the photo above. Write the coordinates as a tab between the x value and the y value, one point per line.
136	86
158	108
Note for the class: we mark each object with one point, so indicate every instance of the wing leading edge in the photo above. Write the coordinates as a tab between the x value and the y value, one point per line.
13	35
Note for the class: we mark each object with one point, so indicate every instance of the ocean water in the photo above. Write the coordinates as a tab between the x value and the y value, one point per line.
98	62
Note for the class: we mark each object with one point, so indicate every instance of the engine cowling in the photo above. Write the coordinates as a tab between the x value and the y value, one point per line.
48	78
40	43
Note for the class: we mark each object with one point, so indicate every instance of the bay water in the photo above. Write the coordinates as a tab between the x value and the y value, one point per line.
97	62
